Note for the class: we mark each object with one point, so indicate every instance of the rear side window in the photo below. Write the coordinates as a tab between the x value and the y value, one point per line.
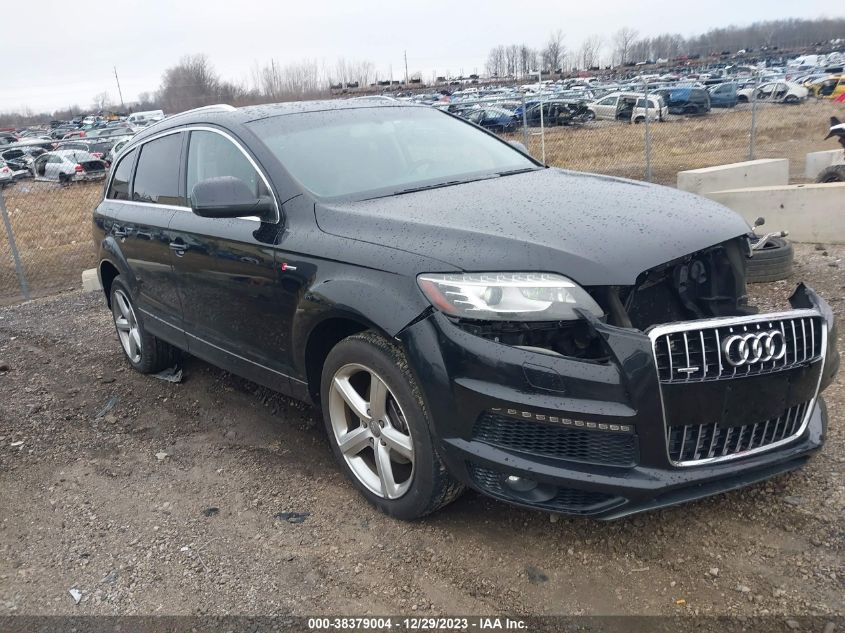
119	189
157	174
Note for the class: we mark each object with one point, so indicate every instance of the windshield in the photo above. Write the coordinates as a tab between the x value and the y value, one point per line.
366	152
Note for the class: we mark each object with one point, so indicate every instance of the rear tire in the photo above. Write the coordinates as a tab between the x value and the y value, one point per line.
771	263
146	353
389	453
834	173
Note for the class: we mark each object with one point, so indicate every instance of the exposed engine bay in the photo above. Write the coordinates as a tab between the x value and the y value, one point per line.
708	283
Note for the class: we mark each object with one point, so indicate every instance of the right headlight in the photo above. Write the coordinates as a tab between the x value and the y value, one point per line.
507	296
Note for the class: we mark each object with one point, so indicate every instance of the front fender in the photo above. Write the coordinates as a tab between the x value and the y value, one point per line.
382	301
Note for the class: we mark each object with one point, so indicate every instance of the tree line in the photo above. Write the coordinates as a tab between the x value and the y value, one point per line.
625	46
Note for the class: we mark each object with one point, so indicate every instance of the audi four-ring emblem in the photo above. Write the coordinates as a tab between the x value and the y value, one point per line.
754	347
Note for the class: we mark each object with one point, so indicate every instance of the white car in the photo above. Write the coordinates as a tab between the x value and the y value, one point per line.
115	150
775	92
65	166
142	119
629	106
6	175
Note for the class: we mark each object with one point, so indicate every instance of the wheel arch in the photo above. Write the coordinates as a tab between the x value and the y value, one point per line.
107	272
322	338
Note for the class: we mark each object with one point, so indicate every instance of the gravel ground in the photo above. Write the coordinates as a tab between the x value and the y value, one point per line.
155	498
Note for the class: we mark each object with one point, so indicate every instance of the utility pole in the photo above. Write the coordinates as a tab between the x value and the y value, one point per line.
406	69
122	107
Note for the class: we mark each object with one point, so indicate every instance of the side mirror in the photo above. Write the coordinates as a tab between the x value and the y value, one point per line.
227	197
521	147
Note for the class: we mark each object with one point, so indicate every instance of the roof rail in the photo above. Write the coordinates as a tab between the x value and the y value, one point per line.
218	107
221	107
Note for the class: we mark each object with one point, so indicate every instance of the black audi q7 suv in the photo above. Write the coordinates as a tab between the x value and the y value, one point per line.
461	314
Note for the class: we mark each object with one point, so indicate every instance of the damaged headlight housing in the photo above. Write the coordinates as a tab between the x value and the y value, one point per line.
507	296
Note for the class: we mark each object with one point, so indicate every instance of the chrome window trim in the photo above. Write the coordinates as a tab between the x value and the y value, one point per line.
195	128
657	331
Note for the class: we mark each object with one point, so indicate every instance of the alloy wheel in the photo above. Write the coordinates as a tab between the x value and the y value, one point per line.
371	431
127	326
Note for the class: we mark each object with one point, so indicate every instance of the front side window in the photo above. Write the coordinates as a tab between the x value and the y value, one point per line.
211	155
377	151
119	189
608	101
157	174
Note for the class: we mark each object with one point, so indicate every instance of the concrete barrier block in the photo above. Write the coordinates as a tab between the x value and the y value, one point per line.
766	172
811	213
817	161
90	281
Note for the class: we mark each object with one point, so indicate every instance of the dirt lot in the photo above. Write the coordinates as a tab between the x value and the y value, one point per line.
155	498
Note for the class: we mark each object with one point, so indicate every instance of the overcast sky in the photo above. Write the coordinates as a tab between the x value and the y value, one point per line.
72	60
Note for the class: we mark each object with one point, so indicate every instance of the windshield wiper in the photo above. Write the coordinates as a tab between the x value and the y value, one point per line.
436	185
522	170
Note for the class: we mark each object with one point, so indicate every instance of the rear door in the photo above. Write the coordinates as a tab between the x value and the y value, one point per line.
236	314
141	227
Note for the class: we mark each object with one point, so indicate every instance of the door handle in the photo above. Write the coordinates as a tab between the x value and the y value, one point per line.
178	247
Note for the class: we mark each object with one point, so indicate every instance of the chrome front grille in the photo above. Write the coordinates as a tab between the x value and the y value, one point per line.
694	443
698	353
694	353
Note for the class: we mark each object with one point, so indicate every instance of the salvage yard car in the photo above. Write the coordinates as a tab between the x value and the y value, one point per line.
66	166
629	107
775	91
6	175
462	314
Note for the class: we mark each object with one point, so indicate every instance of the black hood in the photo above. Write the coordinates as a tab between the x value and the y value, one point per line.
595	229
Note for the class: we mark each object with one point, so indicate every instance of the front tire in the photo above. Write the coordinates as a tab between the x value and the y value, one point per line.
146	353
379	428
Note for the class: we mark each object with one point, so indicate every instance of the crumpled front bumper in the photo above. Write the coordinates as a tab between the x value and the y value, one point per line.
470	382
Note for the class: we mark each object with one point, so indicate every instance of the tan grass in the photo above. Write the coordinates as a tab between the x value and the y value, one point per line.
52	229
783	131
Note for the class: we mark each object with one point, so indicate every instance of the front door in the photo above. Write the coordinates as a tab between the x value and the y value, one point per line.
233	305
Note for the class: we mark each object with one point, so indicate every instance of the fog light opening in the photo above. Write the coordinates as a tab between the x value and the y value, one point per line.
520	484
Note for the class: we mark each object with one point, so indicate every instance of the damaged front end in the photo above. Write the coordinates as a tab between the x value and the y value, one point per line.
679	390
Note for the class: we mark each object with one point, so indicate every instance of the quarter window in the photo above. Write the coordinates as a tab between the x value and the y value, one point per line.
157	174
211	155
119	189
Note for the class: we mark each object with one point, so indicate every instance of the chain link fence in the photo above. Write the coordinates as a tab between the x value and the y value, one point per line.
45	235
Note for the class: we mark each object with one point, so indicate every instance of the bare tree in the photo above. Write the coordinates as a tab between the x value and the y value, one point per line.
496	62
189	84
590	53
512	60
554	52
101	101
527	60
623	39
